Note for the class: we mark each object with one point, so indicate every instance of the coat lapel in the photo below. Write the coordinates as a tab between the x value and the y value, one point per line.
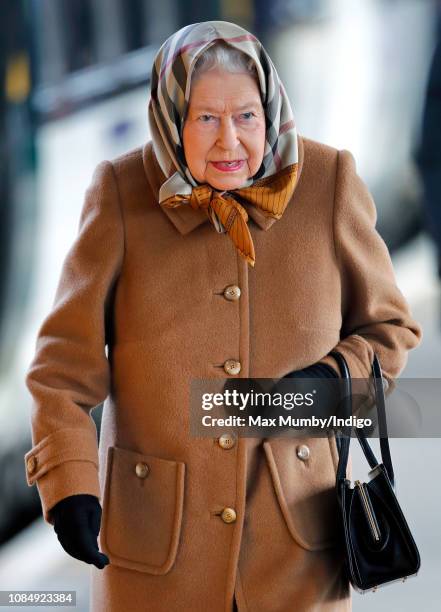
185	218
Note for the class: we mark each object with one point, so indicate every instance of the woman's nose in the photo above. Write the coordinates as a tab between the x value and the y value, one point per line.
227	135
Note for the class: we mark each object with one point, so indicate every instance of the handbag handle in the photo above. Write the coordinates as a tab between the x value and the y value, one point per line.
382	423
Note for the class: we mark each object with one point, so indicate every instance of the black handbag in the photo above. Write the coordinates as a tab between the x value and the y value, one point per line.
378	544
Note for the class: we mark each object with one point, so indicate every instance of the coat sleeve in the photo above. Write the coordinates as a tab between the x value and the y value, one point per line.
375	314
70	373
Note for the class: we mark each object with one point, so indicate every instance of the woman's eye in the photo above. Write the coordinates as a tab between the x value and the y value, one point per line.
207	118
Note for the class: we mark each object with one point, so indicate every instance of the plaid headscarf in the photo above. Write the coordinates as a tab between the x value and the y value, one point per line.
272	186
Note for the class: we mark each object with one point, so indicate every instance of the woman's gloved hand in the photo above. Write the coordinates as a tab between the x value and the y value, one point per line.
326	398
318	370
77	521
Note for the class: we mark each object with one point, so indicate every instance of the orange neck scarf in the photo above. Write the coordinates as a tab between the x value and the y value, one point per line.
271	194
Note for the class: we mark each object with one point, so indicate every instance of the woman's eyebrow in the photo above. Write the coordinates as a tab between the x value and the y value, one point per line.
212	109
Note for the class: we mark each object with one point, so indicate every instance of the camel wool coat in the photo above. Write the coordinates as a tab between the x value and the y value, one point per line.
189	523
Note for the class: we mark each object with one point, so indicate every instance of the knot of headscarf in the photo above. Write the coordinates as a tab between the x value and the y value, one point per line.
271	188
271	195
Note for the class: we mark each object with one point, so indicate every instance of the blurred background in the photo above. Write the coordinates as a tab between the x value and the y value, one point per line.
364	76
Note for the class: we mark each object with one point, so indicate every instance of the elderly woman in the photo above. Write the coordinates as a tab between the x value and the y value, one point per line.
227	246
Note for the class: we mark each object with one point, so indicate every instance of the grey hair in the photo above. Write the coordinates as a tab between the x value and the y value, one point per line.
222	55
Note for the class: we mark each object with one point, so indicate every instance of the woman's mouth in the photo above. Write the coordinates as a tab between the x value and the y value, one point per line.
232	166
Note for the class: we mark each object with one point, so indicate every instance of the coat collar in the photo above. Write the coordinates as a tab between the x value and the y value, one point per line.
185	218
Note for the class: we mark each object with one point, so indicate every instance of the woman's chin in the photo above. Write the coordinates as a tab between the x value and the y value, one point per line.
226	184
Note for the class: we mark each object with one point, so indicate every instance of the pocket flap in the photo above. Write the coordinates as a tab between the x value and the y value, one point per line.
142	510
305	488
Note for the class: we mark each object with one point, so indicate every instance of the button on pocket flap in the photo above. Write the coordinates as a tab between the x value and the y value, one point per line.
303	472
142	510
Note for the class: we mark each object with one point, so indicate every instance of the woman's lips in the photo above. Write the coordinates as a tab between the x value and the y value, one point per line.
227	166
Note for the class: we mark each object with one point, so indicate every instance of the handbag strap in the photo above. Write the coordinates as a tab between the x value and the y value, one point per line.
382	423
343	447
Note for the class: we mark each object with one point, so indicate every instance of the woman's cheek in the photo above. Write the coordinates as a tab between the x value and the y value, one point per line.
202	146
253	165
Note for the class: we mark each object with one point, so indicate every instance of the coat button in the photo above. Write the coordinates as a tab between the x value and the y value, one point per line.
227	441
232	293
31	464
142	470
231	366
303	452
228	515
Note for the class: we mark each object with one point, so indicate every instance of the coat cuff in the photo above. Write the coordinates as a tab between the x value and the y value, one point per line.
63	463
359	356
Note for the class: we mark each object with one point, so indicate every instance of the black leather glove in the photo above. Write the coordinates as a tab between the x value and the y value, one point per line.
77	521
328	400
318	370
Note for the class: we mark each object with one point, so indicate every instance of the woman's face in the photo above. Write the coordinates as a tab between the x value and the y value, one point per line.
225	123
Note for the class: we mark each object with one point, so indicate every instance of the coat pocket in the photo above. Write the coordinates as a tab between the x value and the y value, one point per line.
142	510
303	472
